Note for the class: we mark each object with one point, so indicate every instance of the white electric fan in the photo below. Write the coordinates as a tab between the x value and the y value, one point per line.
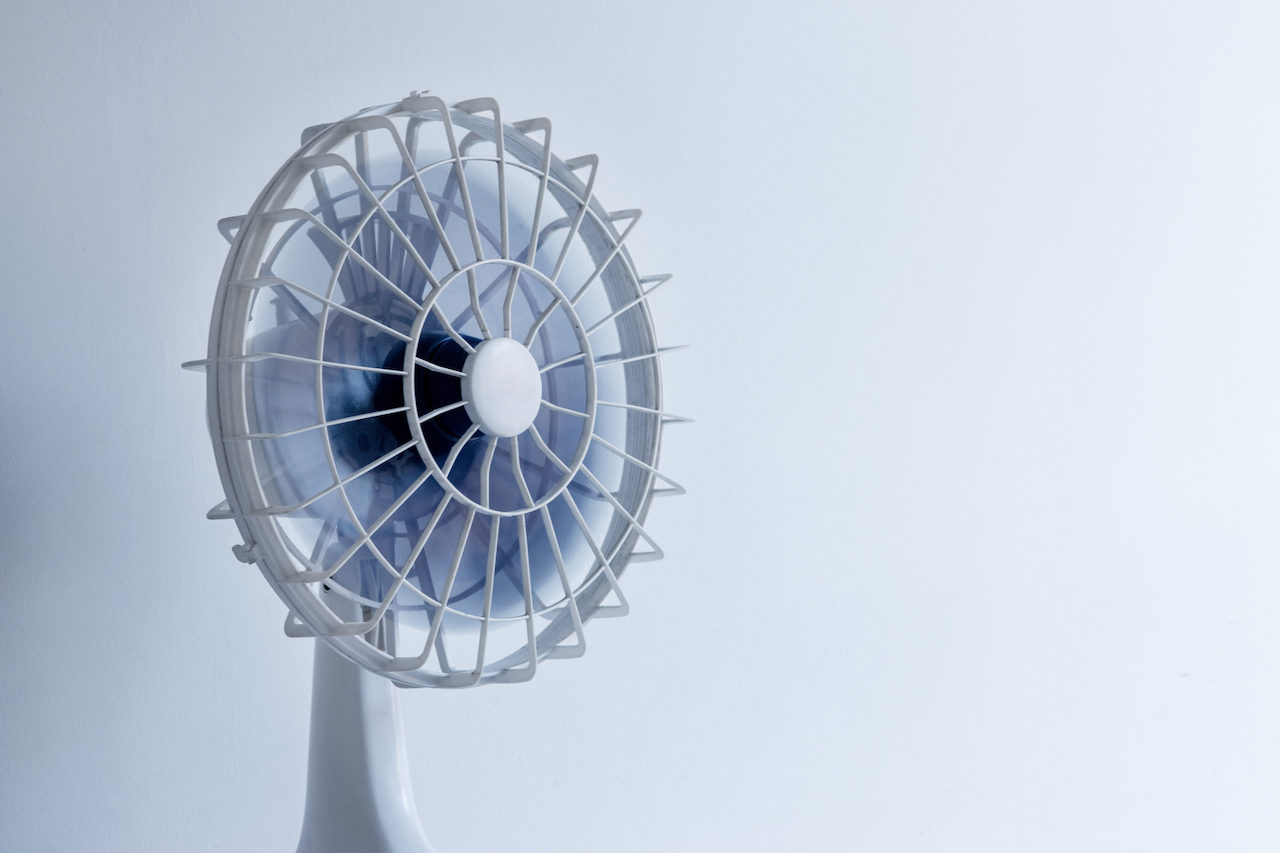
436	405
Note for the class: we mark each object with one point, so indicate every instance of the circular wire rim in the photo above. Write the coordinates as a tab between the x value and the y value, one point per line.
265	543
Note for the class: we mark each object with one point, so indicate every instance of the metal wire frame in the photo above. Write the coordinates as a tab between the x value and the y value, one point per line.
268	546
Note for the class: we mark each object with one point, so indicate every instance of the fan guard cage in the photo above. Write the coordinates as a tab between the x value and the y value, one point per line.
375	231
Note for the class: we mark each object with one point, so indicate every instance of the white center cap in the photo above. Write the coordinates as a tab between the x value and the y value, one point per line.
502	387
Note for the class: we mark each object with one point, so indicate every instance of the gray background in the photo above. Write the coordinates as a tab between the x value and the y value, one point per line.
980	547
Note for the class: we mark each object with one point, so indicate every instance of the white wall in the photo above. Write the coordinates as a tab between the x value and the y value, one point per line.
980	547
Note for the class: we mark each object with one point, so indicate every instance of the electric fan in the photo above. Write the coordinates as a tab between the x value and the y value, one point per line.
435	400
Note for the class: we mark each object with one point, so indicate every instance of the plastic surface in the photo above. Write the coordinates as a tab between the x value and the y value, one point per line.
502	387
359	796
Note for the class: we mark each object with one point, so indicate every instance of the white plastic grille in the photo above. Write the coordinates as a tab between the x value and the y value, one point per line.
435	558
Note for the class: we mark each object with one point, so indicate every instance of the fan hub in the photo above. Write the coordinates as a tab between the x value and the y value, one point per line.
502	387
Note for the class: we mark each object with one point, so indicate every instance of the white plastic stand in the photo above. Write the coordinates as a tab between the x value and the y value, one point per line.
359	795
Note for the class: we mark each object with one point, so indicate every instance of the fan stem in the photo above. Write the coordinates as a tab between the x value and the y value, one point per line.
359	795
